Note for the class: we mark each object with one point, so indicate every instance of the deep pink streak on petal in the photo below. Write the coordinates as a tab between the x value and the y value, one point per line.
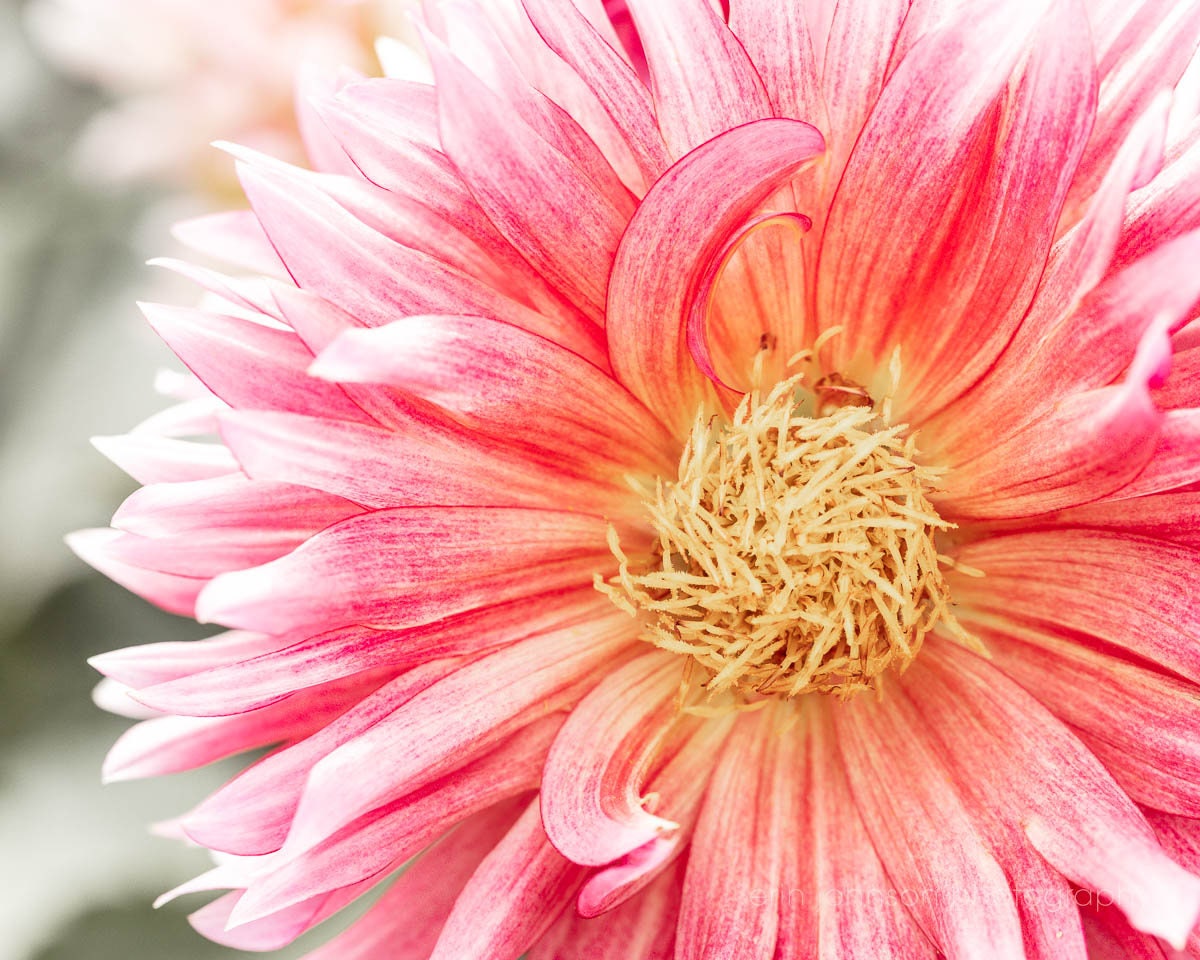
927	838
407	566
678	784
514	896
510	383
566	223
1139	721
739	836
681	227
1067	578
595	773
684	40
405	922
567	31
490	696
1172	515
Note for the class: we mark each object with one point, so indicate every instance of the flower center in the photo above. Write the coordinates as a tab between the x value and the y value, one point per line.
795	553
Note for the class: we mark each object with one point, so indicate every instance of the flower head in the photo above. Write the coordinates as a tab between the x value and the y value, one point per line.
751	513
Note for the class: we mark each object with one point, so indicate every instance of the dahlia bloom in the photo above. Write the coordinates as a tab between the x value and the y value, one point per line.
183	73
752	513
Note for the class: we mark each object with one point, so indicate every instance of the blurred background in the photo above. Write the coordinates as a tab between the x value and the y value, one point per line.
94	166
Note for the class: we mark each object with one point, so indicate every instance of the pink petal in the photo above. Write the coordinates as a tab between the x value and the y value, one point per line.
1020	765
684	40
370	276
1064	577
390	130
1150	56
153	459
229	503
99	548
1138	721
927	837
740	834
592	801
643	929
516	893
151	663
314	81
491	696
172	744
510	383
976	172
1168	206
304	661
568	33
854	57
417	464
377	844
1173	516
1016	389
678	786
252	813
235	237
679	231
405	922
1173	463
1084	448
565	223
777	39
395	568
837	901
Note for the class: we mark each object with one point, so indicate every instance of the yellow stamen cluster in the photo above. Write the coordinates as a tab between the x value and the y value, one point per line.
795	554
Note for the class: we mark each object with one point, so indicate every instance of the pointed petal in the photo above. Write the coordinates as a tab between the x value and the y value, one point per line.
402	567
492	696
739	834
516	893
1065	577
928	839
592	804
676	237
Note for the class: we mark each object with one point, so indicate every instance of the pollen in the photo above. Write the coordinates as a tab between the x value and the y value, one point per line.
794	554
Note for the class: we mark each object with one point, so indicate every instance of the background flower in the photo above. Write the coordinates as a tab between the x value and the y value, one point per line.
183	74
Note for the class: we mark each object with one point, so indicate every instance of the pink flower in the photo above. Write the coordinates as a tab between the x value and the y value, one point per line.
183	73
856	358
